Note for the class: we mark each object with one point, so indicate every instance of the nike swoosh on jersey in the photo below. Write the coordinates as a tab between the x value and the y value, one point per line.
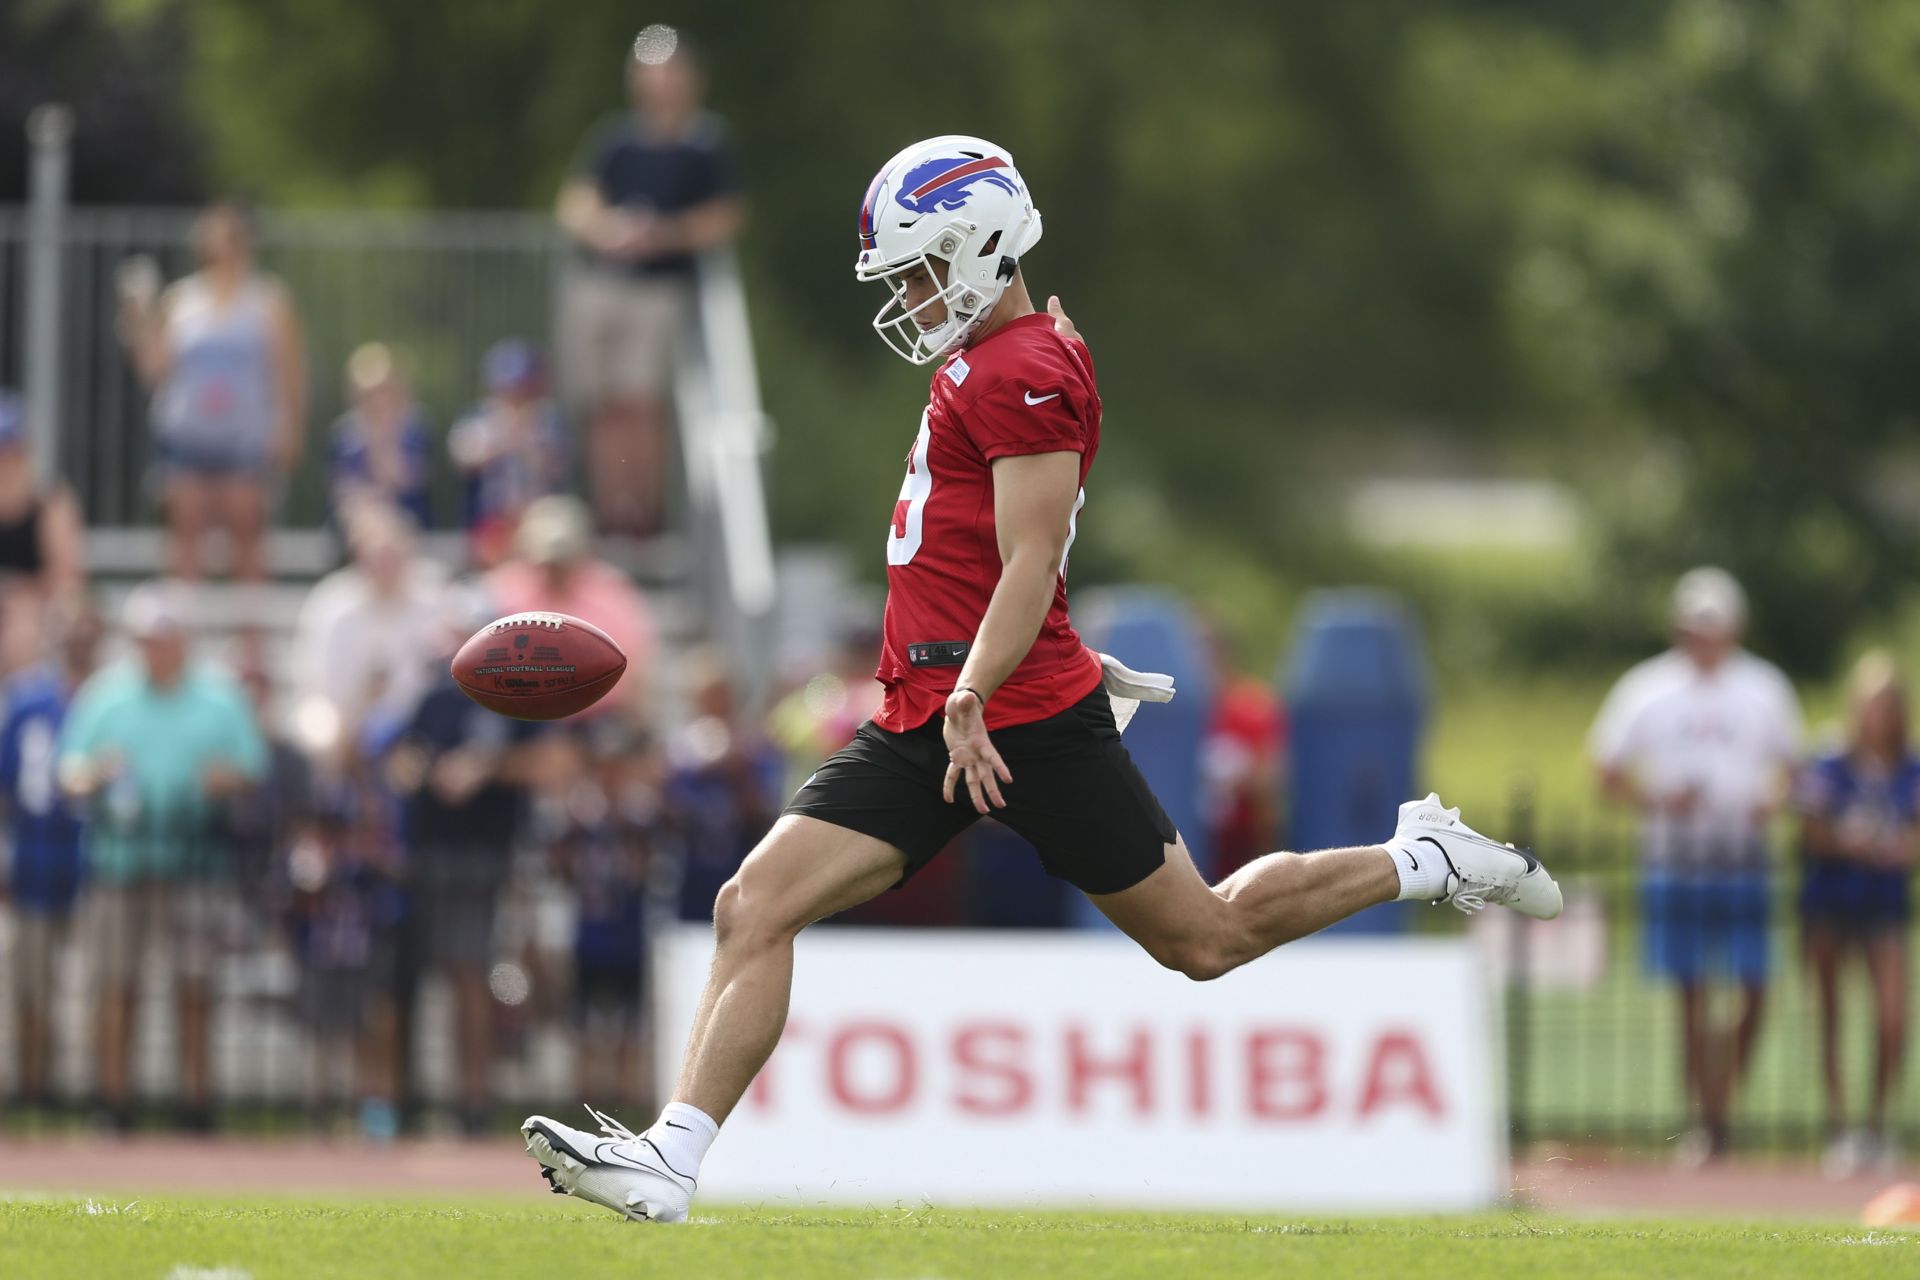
1042	399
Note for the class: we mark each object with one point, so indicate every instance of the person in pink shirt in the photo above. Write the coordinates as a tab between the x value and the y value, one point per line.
554	569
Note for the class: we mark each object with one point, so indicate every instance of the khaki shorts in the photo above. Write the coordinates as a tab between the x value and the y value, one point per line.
620	337
38	940
183	927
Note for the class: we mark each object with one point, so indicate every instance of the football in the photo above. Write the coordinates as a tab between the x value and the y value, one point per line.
538	666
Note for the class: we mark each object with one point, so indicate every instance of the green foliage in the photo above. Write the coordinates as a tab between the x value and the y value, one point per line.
1666	251
119	68
1714	241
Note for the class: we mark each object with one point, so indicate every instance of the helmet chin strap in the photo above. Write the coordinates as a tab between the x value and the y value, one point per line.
967	327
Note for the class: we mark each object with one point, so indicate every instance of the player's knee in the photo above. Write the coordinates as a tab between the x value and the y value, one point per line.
1198	959
730	913
748	917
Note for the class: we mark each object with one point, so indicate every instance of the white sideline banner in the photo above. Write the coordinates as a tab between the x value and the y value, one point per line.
1068	1069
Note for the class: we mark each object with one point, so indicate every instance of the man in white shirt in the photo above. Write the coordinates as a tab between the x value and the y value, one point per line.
367	633
1702	740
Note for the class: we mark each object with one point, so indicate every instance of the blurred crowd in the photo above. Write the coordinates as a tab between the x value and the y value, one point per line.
326	804
179	812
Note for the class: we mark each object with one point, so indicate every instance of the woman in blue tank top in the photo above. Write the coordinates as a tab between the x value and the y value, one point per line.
221	351
1862	810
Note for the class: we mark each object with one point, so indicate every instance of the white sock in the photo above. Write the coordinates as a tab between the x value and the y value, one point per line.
1423	872
683	1134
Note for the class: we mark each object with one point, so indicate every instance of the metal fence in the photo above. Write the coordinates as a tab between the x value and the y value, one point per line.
438	288
1593	1022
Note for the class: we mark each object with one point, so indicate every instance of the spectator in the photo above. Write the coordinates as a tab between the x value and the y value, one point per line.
266	819
1701	741
344	913
650	190
153	747
554	569
512	449
366	632
820	716
382	449
459	770
723	787
45	873
221	351
603	819
1240	767
1862	831
42	542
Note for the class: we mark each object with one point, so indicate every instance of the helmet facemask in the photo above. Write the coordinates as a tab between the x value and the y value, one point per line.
968	302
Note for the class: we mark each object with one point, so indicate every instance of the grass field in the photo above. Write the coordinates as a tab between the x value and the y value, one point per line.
259	1239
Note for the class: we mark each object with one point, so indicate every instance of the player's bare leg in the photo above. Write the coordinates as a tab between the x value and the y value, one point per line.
1206	930
804	870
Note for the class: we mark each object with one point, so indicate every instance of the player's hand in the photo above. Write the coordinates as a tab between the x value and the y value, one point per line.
971	755
1061	324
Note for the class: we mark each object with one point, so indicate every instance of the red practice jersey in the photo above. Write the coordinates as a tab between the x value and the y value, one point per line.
1022	389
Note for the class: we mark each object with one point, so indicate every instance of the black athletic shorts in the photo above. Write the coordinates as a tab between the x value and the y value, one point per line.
1076	796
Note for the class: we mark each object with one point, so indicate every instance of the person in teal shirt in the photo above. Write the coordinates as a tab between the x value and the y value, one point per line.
150	751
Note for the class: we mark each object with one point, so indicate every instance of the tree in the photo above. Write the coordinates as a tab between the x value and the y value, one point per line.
123	81
1713	247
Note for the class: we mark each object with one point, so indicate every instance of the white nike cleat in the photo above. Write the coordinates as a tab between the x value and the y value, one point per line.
1479	870
621	1171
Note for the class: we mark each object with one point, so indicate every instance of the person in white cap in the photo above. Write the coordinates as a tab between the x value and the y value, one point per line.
1702	741
151	750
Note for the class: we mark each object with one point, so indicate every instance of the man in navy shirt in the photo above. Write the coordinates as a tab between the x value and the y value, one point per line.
650	191
44	878
458	770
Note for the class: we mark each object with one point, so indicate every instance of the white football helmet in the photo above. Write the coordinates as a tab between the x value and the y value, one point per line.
954	198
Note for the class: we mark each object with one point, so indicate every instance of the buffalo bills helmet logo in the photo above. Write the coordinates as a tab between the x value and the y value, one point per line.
943	184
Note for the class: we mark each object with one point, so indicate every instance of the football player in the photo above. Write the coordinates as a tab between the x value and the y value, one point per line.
992	704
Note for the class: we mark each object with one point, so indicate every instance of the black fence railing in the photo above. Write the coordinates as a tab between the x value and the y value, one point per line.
1677	1005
